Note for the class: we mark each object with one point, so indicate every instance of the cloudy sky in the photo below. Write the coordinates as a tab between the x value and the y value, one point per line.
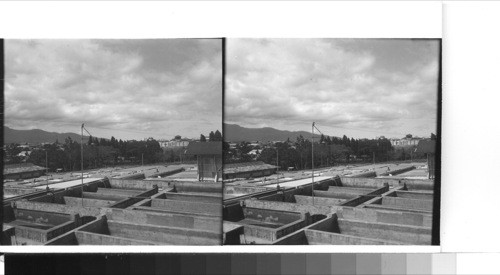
131	89
357	87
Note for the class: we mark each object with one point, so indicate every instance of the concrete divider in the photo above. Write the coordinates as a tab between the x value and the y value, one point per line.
163	234
188	207
108	197
194	197
389	217
181	186
425	205
87	238
319	208
60	208
269	215
319	201
335	195
120	192
166	219
391	232
71	201
398	171
370	174
315	237
414	195
350	190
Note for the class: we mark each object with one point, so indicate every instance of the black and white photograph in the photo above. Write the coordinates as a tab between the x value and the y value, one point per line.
112	142
331	141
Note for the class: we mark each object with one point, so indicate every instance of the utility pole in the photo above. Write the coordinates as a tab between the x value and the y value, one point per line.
142	159
312	163
47	167
278	166
81	149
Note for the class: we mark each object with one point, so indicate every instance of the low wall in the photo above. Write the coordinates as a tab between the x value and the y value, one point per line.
350	190
388	217
194	197
209	187
370	174
162	234
269	215
115	191
358	201
43	217
411	184
86	238
407	203
71	201
391	232
334	195
165	219
398	171
43	235
290	206
413	195
365	182
330	203
188	207
60	208
107	197
315	237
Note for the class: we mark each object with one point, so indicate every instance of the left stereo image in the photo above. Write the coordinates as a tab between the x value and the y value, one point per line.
112	142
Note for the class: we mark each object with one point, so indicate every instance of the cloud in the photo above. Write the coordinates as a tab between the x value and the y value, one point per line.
138	88
366	87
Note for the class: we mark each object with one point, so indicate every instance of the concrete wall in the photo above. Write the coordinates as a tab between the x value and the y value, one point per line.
86	238
188	207
210	187
121	192
330	203
412	184
42	217
391	232
107	197
71	201
315	237
335	195
318	208
389	217
413	195
165	219
350	190
363	175
398	171
269	215
408	203
194	197
162	234
60	208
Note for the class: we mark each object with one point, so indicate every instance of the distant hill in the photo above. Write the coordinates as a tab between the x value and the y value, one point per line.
36	136
236	133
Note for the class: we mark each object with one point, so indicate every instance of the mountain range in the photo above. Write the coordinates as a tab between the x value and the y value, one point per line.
236	133
36	136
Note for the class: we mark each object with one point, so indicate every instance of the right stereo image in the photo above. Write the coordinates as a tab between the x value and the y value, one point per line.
332	142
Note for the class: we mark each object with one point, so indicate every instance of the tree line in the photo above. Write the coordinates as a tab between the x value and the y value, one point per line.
328	151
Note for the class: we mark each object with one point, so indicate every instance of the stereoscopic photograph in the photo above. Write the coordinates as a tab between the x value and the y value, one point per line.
331	142
112	142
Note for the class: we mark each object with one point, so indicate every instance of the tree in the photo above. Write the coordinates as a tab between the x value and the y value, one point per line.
203	138
177	137
217	136
89	142
211	136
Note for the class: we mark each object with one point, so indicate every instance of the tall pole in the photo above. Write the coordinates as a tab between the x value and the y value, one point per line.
312	163
278	166
47	167
81	149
